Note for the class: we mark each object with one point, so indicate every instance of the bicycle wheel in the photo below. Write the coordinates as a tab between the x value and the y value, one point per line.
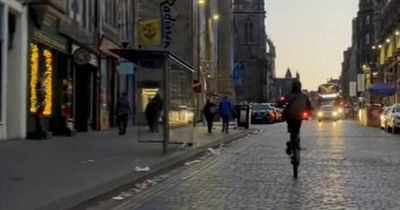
296	158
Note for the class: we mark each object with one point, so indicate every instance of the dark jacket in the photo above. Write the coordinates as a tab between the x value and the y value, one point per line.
123	106
210	109
298	103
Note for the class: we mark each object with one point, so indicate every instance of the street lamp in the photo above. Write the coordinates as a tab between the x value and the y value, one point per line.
397	32
216	17
200	5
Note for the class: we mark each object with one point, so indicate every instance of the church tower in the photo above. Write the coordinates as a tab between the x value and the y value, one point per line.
250	49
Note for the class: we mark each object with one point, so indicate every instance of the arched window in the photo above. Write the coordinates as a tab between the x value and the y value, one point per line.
248	31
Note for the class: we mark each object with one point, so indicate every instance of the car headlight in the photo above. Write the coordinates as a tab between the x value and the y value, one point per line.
334	114
320	114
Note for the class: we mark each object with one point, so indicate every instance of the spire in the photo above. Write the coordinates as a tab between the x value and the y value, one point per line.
288	74
297	75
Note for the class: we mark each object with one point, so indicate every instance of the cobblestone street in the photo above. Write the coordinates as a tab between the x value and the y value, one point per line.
344	166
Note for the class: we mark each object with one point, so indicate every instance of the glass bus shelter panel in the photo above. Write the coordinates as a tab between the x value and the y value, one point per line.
181	106
150	105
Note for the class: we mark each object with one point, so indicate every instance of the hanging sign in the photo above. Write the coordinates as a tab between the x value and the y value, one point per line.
81	56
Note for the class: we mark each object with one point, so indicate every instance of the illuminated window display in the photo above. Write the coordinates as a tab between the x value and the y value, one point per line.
34	78
48	75
41	81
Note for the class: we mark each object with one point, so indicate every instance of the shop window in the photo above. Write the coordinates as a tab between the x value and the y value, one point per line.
41	81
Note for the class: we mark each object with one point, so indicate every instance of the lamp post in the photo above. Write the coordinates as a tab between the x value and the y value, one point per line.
200	4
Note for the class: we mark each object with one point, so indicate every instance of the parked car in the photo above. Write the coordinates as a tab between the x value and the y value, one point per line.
328	112
393	119
384	116
262	113
278	115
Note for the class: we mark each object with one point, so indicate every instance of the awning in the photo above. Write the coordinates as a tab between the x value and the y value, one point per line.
382	90
150	58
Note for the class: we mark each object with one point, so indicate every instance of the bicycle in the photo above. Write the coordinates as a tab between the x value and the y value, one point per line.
295	156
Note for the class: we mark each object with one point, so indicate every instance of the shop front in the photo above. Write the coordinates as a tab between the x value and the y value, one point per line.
49	84
110	84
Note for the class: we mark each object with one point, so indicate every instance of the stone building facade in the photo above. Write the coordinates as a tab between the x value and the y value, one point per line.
250	49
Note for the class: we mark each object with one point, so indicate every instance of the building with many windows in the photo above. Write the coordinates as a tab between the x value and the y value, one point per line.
73	80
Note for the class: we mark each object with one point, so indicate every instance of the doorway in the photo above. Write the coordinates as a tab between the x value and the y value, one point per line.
85	94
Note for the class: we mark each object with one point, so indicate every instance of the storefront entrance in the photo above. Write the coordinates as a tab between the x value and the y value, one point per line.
85	95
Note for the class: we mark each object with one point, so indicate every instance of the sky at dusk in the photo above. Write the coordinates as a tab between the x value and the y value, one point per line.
310	36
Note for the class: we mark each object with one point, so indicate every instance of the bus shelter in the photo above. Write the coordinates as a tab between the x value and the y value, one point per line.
165	99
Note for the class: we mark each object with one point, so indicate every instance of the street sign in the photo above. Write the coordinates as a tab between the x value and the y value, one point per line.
352	89
360	82
126	69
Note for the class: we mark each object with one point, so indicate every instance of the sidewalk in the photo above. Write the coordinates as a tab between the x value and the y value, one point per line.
65	171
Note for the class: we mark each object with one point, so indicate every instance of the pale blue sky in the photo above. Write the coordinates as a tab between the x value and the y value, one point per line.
310	36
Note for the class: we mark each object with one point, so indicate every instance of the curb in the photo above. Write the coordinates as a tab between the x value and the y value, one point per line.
84	198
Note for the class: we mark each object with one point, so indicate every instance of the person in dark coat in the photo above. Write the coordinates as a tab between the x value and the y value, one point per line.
148	113
153	112
158	108
210	109
123	111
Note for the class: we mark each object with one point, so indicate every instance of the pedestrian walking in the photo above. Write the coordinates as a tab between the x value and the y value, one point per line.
148	112
210	109
153	112
123	111
226	111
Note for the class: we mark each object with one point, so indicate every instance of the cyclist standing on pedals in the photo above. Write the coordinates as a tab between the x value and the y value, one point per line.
297	104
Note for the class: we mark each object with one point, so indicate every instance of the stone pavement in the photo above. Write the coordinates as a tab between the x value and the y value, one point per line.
65	171
344	166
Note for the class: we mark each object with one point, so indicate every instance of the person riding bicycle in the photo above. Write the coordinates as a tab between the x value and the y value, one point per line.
297	104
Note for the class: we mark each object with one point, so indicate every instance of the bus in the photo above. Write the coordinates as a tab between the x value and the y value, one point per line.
329	90
329	94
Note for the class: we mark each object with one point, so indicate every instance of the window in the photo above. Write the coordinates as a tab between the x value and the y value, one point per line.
81	11
110	11
367	20
257	4
367	39
248	31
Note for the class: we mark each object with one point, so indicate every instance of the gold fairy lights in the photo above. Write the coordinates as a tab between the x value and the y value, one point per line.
48	82
44	106
34	78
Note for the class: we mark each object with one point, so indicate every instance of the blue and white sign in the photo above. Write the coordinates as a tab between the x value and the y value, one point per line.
126	69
